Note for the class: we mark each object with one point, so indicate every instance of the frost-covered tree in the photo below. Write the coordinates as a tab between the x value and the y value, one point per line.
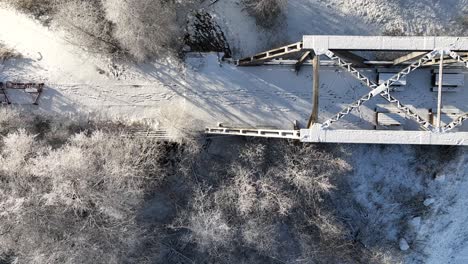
265	12
88	28
73	202
35	7
144	28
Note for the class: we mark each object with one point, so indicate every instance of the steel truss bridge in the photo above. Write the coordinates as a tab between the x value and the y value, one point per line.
343	52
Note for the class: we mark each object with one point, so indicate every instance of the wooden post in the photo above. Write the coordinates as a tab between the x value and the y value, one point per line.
439	94
315	96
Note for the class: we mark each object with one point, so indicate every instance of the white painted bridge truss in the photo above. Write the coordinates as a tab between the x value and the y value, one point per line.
320	45
384	90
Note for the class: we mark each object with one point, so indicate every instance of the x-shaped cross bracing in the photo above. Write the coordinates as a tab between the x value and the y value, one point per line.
459	120
384	90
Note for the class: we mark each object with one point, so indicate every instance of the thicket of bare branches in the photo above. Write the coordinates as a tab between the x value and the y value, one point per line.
74	191
266	12
464	22
142	29
273	204
35	7
90	27
73	197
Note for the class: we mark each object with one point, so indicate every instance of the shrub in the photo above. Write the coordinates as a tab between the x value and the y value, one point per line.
7	53
464	22
76	202
208	226
265	12
35	7
203	34
144	28
310	169
74	192
89	27
267	205
17	149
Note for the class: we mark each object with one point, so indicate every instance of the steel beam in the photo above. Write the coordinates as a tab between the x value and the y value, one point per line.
408	57
318	135
356	60
260	58
252	132
449	60
315	93
302	59
384	43
458	122
459	58
439	93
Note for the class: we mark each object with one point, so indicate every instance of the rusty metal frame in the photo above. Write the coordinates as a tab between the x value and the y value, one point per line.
33	89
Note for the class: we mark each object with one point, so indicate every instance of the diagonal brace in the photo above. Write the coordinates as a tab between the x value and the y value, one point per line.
458	58
302	59
382	90
459	120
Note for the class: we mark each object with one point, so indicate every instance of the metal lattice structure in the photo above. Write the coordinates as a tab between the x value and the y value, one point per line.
419	52
459	121
383	89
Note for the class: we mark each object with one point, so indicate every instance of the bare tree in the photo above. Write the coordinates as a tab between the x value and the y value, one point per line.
79	193
34	7
144	28
89	27
76	202
266	12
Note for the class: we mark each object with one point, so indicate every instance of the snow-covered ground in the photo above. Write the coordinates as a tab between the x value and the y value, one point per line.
76	81
405	200
341	17
302	17
204	88
444	232
208	91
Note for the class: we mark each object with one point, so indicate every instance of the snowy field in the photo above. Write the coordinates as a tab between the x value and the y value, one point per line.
209	91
